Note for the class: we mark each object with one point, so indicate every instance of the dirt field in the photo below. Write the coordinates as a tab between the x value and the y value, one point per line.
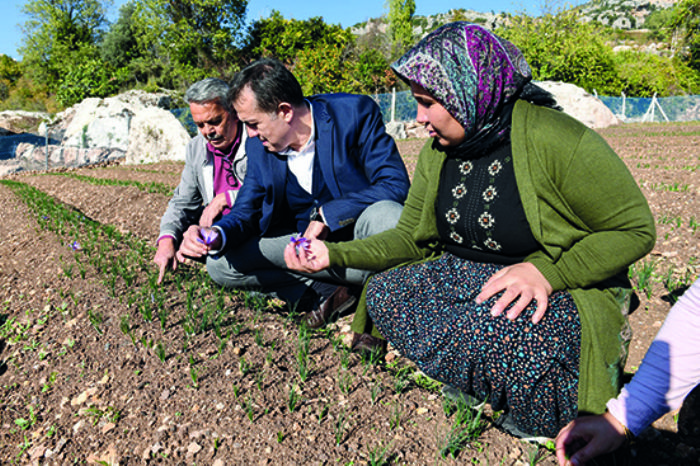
100	366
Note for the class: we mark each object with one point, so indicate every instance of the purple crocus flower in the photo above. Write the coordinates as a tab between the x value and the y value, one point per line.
75	246
300	243
208	236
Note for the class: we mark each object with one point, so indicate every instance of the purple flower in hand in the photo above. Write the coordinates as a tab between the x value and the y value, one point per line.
300	244
208	236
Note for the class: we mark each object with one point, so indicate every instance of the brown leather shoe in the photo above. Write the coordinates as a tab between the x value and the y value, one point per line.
340	301
366	343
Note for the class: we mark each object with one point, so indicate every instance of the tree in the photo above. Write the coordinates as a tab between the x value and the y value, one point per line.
10	72
89	78
323	57
59	34
686	19
187	40
283	38
120	45
645	74
560	47
400	24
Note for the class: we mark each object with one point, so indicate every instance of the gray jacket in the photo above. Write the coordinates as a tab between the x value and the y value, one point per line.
196	188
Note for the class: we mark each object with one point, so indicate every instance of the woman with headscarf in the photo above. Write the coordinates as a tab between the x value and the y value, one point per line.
509	279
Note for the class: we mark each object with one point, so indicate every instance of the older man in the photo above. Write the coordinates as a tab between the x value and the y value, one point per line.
215	165
323	166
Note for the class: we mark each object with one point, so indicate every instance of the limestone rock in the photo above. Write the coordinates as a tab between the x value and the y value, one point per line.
581	105
156	135
18	121
396	130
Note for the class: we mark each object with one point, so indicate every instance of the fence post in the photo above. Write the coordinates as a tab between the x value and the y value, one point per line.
46	147
649	114
623	104
656	101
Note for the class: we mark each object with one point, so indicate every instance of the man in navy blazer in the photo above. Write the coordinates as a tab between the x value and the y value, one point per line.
321	166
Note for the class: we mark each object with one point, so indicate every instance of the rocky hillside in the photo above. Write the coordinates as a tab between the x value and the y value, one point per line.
619	14
623	14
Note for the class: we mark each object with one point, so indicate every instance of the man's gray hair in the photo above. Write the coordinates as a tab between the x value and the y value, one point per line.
209	90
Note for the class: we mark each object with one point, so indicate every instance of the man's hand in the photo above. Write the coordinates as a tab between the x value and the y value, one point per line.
213	210
312	259
316	230
520	283
588	437
193	244
165	257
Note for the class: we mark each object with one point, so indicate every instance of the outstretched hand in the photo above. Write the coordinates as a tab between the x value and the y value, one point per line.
587	437
165	257
311	258
520	283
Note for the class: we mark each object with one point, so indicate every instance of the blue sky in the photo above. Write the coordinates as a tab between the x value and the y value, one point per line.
343	12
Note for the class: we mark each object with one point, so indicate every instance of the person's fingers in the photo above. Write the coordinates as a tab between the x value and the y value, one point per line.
562	441
290	257
489	289
542	301
509	295
161	272
180	256
586	453
519	305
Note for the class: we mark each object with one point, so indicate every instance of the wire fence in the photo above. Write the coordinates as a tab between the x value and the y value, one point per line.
400	106
40	152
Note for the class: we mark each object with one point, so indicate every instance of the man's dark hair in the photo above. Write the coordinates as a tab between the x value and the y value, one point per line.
209	90
270	81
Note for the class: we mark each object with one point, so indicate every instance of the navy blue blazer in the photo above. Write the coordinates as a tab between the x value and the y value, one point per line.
359	162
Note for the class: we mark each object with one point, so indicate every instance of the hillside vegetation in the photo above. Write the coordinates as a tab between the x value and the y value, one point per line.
70	51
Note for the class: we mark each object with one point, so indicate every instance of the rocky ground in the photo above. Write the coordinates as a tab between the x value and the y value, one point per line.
100	366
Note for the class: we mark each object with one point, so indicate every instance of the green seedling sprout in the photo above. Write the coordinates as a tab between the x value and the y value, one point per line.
345	380
340	427
160	351
293	398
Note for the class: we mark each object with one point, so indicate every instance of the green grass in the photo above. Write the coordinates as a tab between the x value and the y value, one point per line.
150	187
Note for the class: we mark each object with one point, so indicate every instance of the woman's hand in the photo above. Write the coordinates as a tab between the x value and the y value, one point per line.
311	258
587	437
520	283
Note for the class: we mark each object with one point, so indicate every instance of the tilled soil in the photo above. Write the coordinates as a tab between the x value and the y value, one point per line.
76	388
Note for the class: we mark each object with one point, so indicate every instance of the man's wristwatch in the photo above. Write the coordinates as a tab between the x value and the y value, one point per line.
315	215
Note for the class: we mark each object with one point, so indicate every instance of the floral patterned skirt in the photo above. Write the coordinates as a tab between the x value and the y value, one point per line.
429	313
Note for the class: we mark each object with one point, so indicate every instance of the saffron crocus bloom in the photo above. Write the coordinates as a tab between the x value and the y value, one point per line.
75	246
208	236
300	243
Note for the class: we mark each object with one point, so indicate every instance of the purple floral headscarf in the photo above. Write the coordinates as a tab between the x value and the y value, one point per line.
470	71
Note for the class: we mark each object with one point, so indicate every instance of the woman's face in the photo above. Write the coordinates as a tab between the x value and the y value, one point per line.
440	124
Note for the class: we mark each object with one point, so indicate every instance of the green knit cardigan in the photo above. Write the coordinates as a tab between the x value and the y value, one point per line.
585	211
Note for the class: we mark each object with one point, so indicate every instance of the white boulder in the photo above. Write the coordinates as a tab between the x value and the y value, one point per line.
103	123
156	135
581	105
